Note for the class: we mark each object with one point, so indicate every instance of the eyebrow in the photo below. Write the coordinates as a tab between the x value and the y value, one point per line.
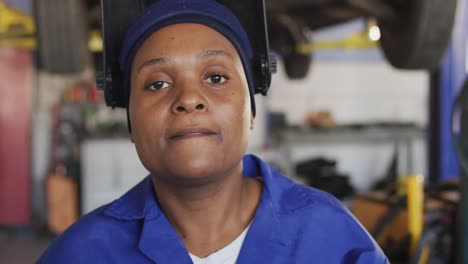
154	61
213	53
202	55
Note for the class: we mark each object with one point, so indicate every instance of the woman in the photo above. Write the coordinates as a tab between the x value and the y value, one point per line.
191	106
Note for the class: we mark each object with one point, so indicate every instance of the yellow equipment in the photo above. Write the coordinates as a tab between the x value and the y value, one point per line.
415	192
413	187
366	39
16	29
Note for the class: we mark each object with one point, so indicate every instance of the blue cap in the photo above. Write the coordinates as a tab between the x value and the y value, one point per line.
169	12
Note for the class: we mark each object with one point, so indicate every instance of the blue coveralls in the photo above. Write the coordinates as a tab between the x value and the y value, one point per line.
292	224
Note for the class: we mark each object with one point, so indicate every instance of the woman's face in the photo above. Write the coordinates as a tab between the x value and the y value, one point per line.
189	105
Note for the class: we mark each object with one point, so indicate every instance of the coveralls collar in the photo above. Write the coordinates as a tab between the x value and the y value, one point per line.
160	242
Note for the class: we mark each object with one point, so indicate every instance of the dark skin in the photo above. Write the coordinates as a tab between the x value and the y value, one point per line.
191	116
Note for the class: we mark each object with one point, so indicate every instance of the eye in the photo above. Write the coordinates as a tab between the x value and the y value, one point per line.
158	85
217	79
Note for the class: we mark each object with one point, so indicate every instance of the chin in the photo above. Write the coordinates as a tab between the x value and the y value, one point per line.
198	170
198	166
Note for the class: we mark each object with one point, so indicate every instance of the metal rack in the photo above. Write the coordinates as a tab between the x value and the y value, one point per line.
288	138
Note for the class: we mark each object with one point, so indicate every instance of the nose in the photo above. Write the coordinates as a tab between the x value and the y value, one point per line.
189	99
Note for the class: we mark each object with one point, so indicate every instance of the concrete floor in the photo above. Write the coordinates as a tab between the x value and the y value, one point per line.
21	248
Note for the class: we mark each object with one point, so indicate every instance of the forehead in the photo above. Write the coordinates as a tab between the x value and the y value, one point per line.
184	39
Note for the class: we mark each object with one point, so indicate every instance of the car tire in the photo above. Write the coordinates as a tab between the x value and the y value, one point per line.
297	65
421	34
62	36
284	36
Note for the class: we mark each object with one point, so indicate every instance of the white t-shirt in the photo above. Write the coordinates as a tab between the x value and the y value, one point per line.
226	255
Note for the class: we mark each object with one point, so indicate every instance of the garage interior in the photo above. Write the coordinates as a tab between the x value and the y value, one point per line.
369	103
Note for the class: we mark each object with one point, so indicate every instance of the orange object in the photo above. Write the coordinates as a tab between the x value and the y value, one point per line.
62	202
369	209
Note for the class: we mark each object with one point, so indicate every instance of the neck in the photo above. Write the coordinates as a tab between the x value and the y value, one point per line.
209	216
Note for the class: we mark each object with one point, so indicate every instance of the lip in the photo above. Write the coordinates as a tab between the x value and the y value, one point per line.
192	132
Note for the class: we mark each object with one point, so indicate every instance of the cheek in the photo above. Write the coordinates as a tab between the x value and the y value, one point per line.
236	118
147	137
145	122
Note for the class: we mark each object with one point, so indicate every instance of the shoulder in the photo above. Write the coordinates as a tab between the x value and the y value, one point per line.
110	228
81	240
308	212
309	203
312	206
318	220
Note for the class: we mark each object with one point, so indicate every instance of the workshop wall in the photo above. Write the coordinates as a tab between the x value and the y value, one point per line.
354	92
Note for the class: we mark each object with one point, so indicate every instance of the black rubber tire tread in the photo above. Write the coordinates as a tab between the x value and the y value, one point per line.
421	36
62	36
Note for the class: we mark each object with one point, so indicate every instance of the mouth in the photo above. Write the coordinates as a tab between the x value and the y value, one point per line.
192	132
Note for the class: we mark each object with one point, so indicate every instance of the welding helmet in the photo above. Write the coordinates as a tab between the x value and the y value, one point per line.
127	23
